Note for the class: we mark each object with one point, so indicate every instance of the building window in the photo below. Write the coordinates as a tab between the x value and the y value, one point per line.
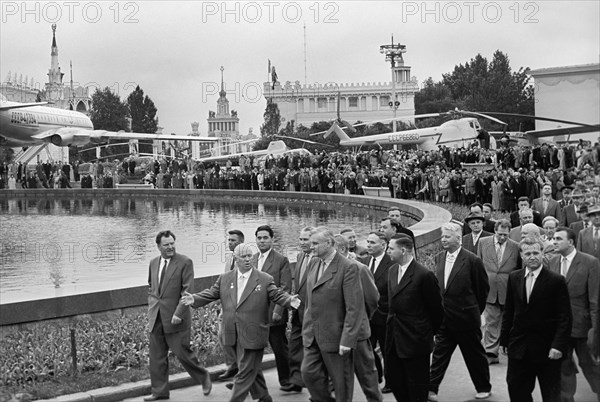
353	101
384	100
322	103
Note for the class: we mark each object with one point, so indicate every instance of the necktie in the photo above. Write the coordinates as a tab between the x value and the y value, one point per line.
400	274
529	285
499	252
320	269
564	267
162	274
372	267
545	205
305	262
240	287
448	270
261	261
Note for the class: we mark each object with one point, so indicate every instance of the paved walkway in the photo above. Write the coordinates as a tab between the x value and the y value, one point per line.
457	386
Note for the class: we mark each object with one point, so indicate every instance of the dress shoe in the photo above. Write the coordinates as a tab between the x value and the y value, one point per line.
266	398
432	397
207	386
229	373
229	385
291	388
386	390
483	395
154	398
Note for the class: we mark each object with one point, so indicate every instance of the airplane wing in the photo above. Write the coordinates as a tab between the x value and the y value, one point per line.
303	140
22	105
76	136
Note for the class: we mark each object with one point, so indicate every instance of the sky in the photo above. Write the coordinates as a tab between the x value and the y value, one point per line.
174	50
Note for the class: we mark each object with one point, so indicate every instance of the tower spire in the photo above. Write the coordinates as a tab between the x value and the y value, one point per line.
222	93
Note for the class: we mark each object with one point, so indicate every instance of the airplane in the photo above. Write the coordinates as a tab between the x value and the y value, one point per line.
275	148
459	131
27	124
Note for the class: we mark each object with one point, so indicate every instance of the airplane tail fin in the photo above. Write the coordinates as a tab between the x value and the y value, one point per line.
338	131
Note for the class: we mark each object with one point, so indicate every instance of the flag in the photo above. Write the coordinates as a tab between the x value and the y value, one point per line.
273	77
269	70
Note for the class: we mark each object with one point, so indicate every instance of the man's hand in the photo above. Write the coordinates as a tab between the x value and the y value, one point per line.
276	316
176	320
554	354
503	350
344	350
295	302
187	299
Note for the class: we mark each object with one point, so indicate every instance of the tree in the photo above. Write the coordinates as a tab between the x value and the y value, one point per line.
434	97
142	112
272	119
109	113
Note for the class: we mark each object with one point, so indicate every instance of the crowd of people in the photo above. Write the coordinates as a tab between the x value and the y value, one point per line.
367	309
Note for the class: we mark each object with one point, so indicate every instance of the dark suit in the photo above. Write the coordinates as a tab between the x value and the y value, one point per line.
415	314
516	221
583	280
488	226
295	344
586	243
379	318
554	209
162	303
278	267
335	315
569	215
530	330
497	272
467	241
246	325
464	298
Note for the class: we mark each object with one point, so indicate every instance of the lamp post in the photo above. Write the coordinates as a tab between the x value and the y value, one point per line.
393	53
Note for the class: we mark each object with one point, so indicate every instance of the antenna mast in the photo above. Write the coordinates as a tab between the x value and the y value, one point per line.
305	79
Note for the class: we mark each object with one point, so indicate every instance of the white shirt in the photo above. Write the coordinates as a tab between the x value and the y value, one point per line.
161	265
569	259
242	281
377	262
402	269
536	273
450	259
476	237
261	261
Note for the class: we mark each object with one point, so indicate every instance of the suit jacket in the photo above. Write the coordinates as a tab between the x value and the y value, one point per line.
246	322
335	309
278	267
554	209
415	311
299	284
586	244
467	241
370	292
583	283
515	233
569	215
497	271
465	295
488	226
179	278
545	322
381	276
516	221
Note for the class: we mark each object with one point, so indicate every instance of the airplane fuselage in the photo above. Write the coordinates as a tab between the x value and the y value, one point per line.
19	125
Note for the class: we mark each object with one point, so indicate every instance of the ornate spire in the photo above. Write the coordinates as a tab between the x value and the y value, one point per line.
222	93
53	35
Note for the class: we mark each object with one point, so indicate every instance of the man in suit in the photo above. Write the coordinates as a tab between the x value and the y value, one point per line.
364	357
395	218
535	327
234	237
471	240
588	240
516	233
353	247
334	320
570	213
486	211
278	266
546	205
415	314
515	217
379	263
500	256
169	276
245	294
584	223
566	199
582	274
300	272
464	287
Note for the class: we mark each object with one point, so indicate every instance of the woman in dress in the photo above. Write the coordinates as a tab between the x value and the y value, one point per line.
495	188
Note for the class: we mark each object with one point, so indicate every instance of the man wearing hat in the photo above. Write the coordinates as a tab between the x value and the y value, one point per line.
584	223
571	212
566	196
588	240
470	241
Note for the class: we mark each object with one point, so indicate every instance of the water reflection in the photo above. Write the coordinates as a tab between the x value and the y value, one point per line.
90	244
